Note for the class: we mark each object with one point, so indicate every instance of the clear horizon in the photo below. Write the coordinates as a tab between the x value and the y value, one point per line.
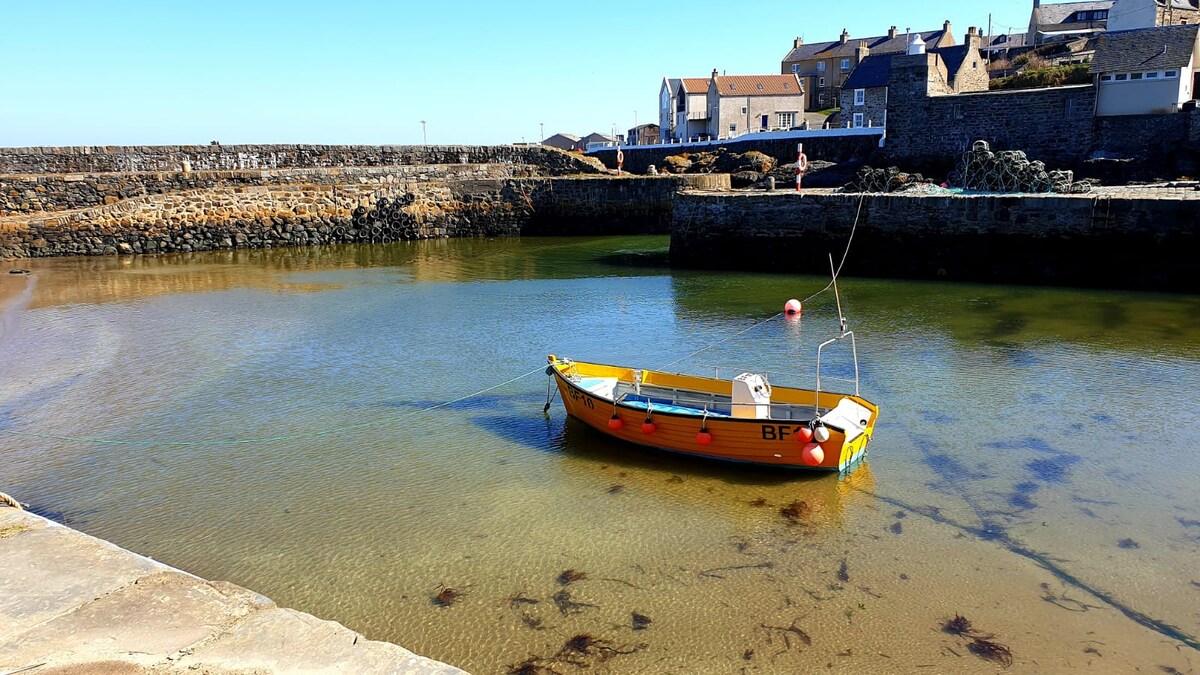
142	73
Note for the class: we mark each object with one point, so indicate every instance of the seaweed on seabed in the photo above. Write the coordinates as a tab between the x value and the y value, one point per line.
991	651
571	576
532	666
795	512
447	596
586	644
566	605
959	625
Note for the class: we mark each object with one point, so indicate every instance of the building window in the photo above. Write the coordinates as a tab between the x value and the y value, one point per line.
1172	73
1121	77
745	110
820	66
858	120
860	96
1152	75
795	67
845	64
821	82
1106	78
787	120
1135	76
733	128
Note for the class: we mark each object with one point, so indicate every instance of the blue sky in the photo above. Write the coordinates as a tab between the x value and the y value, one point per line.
350	71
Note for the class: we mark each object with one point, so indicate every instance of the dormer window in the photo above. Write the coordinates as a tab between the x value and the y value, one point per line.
760	86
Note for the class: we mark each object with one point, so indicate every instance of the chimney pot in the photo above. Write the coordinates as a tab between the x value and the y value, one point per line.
845	36
972	31
714	73
797	42
892	32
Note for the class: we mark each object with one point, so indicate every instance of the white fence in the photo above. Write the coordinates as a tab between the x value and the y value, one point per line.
797	134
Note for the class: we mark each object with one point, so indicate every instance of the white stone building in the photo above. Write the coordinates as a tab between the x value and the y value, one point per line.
682	108
740	104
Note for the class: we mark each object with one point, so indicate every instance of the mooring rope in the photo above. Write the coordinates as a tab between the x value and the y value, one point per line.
805	301
267	439
6	500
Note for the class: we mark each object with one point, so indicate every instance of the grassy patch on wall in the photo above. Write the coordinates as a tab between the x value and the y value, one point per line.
1054	76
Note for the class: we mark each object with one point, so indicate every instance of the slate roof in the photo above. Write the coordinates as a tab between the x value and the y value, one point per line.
873	70
1145	49
880	44
1052	14
1004	41
758	85
570	137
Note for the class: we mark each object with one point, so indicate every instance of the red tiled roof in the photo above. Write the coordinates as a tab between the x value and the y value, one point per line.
758	85
695	85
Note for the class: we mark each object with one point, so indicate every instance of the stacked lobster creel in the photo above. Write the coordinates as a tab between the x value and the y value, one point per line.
891	179
386	220
982	170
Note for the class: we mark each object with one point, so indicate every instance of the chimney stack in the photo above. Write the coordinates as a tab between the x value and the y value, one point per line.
972	32
946	26
714	75
797	42
845	36
892	33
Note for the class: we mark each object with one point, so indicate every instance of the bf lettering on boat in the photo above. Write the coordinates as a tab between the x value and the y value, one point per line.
778	432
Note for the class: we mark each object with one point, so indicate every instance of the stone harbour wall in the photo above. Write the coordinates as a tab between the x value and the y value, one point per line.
23	193
1136	239
265	216
104	159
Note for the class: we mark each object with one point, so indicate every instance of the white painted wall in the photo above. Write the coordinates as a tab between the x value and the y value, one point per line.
1142	97
1130	14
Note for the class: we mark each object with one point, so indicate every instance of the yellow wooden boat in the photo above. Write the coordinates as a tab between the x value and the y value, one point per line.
743	419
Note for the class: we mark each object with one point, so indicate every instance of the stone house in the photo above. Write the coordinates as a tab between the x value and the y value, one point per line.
566	142
1146	71
864	96
644	134
823	67
740	104
603	139
1067	20
682	108
1131	14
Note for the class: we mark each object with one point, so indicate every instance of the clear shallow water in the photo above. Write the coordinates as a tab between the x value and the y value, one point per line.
1025	434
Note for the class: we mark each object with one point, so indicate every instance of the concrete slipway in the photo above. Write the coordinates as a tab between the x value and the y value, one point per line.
71	603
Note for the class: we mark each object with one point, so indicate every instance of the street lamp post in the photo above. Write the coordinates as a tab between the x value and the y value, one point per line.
424	138
541	131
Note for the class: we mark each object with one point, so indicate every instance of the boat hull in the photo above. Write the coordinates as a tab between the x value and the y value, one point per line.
756	441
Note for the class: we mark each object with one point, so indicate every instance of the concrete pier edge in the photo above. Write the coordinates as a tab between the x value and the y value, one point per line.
70	602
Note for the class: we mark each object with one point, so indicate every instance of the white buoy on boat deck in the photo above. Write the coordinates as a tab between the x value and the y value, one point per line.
821	434
792	306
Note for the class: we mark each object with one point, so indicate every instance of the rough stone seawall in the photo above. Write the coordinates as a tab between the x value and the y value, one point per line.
1089	240
831	149
101	159
22	193
230	217
1053	125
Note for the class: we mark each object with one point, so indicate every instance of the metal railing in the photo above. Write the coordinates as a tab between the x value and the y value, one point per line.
821	347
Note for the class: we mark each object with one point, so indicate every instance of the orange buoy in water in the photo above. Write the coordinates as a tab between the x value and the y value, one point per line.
792	307
615	423
812	454
804	435
703	437
649	427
